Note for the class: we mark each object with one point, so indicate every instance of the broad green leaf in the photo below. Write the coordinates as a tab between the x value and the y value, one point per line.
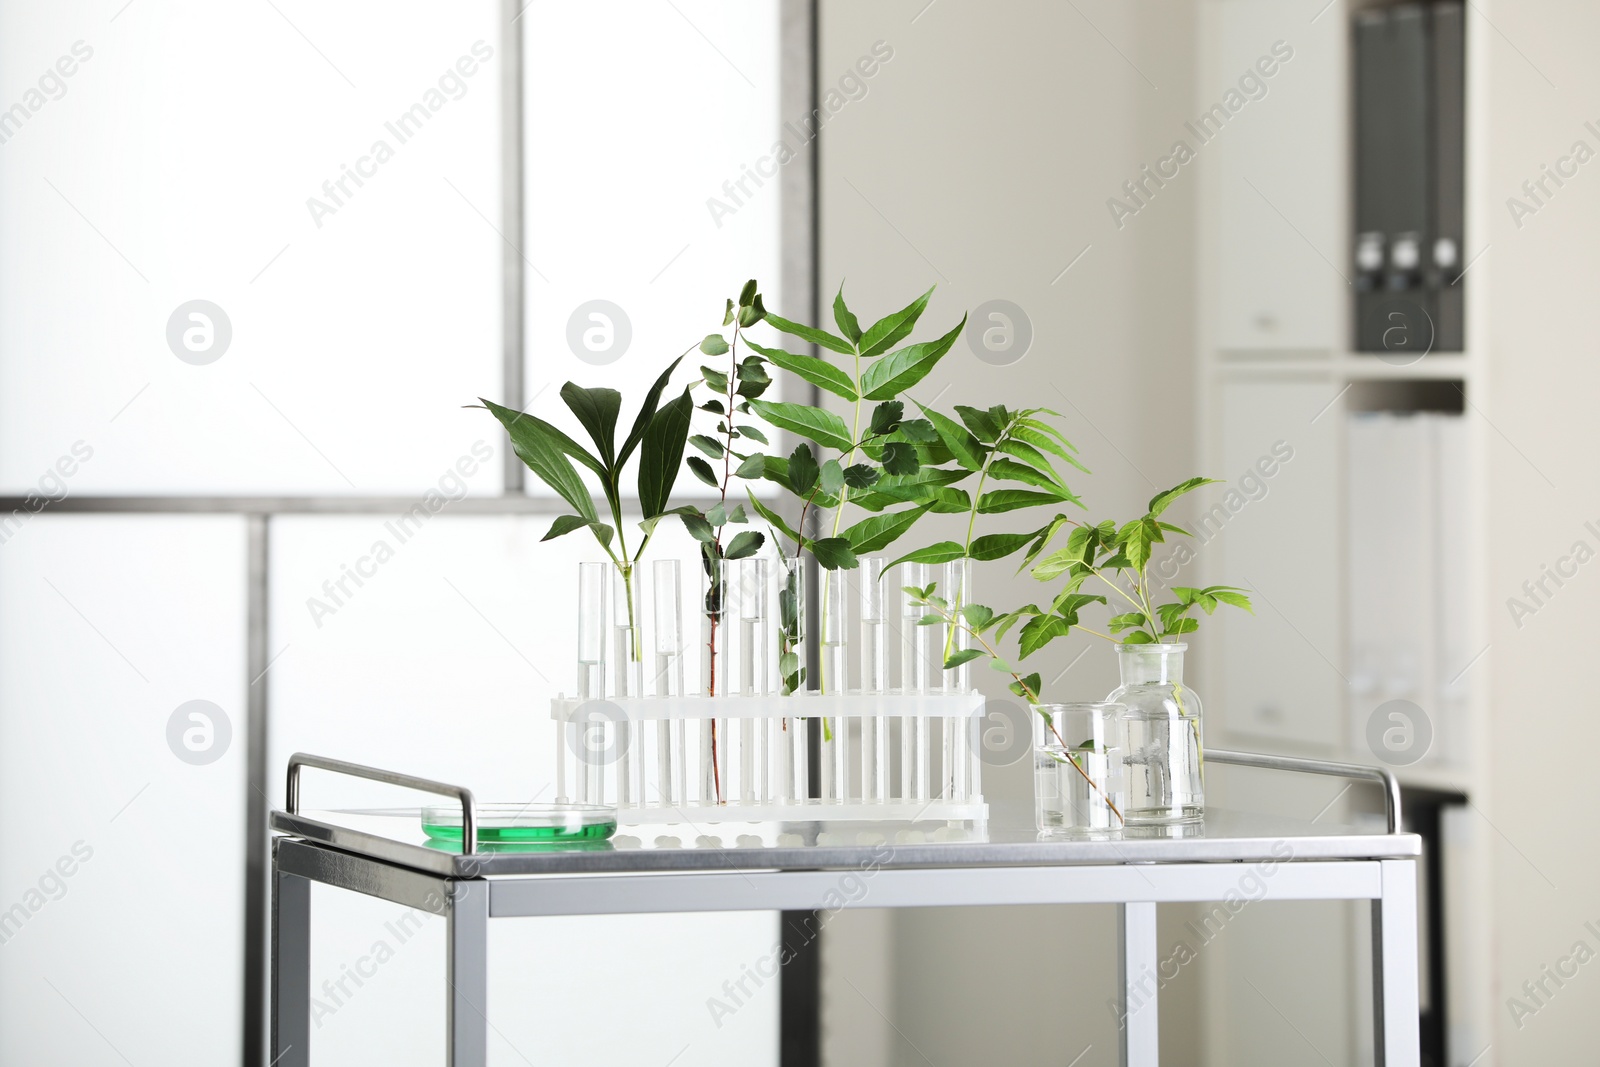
1000	500
747	294
1069	603
899	371
597	411
754	434
776	520
1161	501
842	315
1012	471
745	543
810	333
892	329
1180	626
914	488
920	431
834	554
709	445
718	515
1033	458
998	546
823	427
663	455
714	344
900	458
1027	688
1231	596
1039	632
981	423
753	466
943	552
1027	432
819	372
877	532
860	476
962	445
803	470
727	315
565	524
832	477
698	527
1139	637
886	417
545	449
647	412
977	616
1127	621
703	471
714	379
965	655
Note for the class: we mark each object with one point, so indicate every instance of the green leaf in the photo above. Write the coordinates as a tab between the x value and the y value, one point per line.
892	329
999	546
718	515
1040	631
745	543
819	372
1161	501
832	477
1231	596
597	411
803	470
965	655
698	527
899	371
1000	665
776	520
714	344
981	423
834	554
753	377
900	458
886	417
545	449
920	431
1011	471
1033	458
647	412
1000	500
1027	686
877	532
860	476
810	333
754	466
565	524
943	552
962	445
841	315
1139	637
714	379
1028	430
1180	626
703	471
663	453
977	616
727	314
824	427
709	445
1127	621
748	293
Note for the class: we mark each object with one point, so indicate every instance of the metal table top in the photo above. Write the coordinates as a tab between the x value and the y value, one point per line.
395	836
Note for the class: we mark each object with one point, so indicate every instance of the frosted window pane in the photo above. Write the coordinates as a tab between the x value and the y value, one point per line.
442	663
627	142
191	136
107	626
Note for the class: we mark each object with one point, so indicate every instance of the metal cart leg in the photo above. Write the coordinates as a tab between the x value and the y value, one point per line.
467	944
291	969
1137	981
1394	967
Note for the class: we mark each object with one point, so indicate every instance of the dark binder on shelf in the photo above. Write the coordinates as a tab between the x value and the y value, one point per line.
1409	196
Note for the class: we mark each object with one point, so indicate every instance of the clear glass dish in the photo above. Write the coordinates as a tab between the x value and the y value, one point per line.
524	823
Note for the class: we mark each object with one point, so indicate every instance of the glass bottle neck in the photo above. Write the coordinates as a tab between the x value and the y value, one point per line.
1150	664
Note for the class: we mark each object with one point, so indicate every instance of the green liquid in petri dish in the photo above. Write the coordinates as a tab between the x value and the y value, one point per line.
490	835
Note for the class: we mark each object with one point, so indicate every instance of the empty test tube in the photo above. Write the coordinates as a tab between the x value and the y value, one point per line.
874	679
668	608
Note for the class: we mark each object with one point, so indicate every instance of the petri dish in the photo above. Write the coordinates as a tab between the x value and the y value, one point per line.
524	823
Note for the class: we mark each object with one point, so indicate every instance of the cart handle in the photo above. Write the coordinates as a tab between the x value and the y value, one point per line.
469	814
1391	784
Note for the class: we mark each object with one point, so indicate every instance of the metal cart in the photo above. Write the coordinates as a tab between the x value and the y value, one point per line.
1307	861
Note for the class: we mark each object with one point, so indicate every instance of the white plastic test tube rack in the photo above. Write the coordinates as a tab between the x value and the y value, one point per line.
900	753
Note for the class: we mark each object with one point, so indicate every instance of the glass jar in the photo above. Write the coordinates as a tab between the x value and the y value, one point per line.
1080	781
1165	742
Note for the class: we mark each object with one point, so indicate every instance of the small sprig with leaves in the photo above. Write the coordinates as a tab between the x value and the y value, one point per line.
984	630
1118	558
658	434
731	393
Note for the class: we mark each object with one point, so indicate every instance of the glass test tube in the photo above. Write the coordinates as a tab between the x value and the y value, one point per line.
874	680
788	781
755	641
668	605
836	682
627	668
714	681
915	641
956	588
593	604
